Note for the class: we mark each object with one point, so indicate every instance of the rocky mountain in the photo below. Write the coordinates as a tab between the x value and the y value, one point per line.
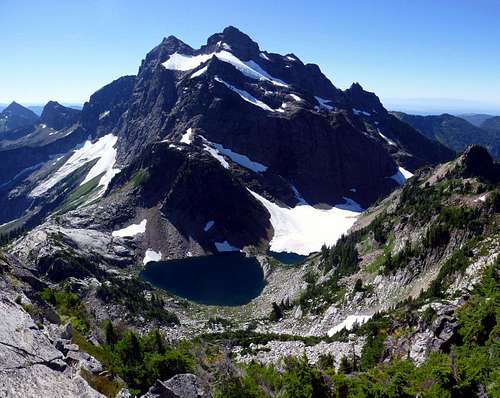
230	148
15	116
454	132
414	282
244	134
57	117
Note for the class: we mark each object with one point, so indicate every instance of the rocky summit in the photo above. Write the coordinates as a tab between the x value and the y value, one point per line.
374	245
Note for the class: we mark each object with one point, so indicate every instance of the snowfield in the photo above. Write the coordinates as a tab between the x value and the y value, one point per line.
303	229
349	323
151	255
131	230
103	150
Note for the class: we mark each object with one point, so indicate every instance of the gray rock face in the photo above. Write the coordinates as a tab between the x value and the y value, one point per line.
180	386
30	364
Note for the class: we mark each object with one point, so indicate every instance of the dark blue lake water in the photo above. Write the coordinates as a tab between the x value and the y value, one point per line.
287	258
224	279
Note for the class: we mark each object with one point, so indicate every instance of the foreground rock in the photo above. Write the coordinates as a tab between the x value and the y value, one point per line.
30	364
179	386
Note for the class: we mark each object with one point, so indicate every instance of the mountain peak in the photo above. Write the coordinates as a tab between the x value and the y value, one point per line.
363	99
240	43
172	42
356	87
15	116
15	107
477	161
58	116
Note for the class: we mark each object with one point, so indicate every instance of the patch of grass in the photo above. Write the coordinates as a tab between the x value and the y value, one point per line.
376	264
140	178
365	246
79	196
105	385
69	306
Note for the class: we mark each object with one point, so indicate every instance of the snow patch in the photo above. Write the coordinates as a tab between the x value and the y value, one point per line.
296	97
349	323
225	247
304	229
401	175
199	72
187	137
264	56
215	154
359	112
240	159
323	103
131	230
251	69
208	225
389	141
185	62
246	96
481	198
217	149
151	255
103	115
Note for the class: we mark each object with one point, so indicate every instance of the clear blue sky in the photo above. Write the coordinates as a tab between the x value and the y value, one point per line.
442	50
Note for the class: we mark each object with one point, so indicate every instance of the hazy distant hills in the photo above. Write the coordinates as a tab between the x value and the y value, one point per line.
456	132
475	118
492	124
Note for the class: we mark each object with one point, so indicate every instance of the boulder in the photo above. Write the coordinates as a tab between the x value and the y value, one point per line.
180	386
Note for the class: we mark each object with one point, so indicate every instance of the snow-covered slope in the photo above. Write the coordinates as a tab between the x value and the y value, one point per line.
303	229
102	150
